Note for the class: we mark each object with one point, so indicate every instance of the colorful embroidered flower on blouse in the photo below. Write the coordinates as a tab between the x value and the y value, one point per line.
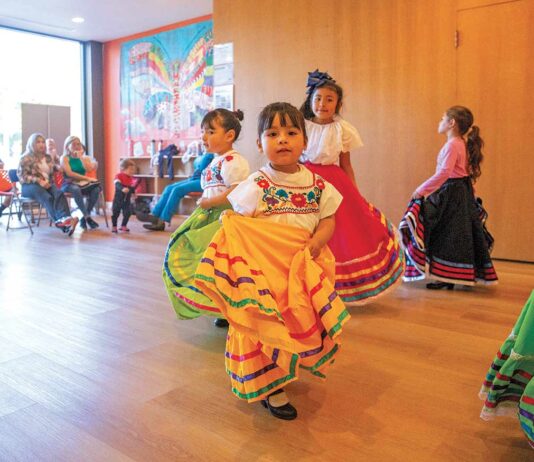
298	200
271	201
281	200
320	183
228	158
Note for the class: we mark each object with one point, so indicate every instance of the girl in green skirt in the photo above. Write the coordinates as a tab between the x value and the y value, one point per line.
509	385
220	129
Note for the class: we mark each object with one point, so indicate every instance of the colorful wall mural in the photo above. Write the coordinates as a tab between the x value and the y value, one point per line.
167	85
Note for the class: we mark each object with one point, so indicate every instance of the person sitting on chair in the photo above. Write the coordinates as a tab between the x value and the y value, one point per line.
77	181
35	172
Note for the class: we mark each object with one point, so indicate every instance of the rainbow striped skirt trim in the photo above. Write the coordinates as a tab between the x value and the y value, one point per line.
444	237
284	313
509	385
369	258
184	251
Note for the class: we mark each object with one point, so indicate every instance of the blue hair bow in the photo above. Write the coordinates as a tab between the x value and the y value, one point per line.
315	78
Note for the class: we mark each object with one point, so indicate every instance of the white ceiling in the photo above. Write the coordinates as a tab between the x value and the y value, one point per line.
104	19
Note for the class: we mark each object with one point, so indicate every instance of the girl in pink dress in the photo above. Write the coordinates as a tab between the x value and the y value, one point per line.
443	231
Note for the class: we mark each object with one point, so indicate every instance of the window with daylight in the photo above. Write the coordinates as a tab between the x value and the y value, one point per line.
39	74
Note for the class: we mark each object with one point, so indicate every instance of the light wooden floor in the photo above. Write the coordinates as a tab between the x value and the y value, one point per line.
95	367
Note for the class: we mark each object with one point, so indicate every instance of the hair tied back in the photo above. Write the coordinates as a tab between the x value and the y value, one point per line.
238	113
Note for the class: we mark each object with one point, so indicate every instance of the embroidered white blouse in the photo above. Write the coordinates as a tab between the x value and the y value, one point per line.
223	172
327	141
299	199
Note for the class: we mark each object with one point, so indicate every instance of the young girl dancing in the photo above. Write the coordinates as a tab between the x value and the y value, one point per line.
443	230
368	256
272	275
220	128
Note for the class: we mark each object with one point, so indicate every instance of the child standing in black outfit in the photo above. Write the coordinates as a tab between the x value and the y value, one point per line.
125	184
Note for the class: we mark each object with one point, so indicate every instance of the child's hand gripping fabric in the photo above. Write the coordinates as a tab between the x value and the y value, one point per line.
322	235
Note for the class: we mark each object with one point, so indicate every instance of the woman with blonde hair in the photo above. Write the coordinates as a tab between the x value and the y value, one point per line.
35	172
77	182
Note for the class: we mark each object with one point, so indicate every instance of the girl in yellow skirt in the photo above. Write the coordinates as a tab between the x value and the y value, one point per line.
273	278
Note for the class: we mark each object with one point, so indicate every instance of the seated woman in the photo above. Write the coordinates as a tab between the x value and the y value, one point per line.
172	195
35	172
77	181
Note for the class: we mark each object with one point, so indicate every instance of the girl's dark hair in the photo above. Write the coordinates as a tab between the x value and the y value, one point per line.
306	107
229	120
284	111
464	121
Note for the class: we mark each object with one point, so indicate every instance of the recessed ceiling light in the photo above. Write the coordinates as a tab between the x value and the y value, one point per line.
78	19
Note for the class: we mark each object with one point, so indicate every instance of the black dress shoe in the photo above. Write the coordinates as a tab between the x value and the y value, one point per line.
83	223
158	226
147	217
440	285
221	322
285	412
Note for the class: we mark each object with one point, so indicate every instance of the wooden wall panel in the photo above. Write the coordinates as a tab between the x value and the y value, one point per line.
394	59
397	62
468	4
495	79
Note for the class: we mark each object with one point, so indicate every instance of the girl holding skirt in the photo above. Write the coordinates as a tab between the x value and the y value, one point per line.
443	231
369	260
220	128
271	273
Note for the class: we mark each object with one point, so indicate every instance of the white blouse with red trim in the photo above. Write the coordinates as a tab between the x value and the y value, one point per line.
223	172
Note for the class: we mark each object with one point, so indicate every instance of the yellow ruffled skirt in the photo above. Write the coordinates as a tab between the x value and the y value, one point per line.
283	310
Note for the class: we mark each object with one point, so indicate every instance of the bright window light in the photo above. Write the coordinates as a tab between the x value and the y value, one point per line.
39	70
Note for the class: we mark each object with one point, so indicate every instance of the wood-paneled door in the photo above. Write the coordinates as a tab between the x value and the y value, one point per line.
495	78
